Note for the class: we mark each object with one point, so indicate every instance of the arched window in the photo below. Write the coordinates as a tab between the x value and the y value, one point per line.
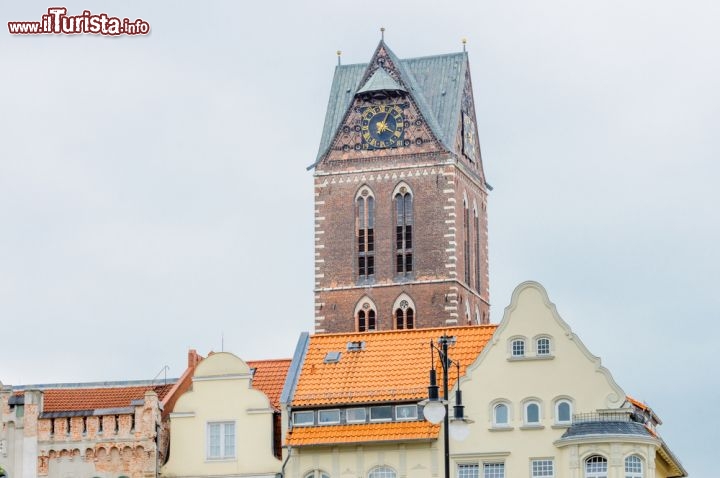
466	226
317	474
501	415
365	315
633	467
403	231
532	413
542	346
365	225
404	319
404	312
563	411
382	472
366	320
596	467
518	348
477	250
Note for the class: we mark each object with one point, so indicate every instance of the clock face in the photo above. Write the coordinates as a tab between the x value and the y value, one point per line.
382	126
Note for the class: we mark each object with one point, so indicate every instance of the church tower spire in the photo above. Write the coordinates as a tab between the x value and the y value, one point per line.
400	198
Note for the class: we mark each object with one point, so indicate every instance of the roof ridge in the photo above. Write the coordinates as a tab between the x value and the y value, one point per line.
82	385
271	360
406	331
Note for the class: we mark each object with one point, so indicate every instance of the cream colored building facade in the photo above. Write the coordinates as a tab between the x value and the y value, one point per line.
222	427
544	406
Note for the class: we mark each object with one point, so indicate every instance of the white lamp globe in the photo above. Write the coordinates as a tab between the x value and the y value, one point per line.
434	412
459	430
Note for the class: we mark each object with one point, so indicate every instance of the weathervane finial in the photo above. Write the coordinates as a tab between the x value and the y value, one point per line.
339	54
382	33
464	42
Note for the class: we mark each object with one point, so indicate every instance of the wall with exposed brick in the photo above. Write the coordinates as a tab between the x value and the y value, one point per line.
438	186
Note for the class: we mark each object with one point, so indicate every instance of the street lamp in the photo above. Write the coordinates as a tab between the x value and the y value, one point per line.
436	410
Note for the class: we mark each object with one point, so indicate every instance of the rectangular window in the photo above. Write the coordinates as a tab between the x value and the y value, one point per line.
328	416
361	266
383	413
220	440
370	265
406	412
543	468
303	418
493	470
468	471
355	415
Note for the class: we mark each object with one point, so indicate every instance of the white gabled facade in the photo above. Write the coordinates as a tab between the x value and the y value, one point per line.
542	403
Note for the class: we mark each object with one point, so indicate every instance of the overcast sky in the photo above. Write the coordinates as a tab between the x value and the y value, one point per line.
154	197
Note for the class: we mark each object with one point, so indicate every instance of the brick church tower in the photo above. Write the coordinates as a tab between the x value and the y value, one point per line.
400	198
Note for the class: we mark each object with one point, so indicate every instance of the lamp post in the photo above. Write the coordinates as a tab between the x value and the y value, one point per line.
436	410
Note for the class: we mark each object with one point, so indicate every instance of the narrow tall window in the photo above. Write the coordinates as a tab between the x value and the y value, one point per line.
477	252
366	320
466	225
403	232
365	220
404	319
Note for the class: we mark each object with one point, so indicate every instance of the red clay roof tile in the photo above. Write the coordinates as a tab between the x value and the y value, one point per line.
269	378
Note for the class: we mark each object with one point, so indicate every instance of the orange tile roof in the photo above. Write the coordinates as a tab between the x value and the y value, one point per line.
362	433
269	378
71	399
637	403
393	366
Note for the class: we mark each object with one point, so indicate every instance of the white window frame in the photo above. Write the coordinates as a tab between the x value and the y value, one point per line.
515	351
383	471
539	468
489	469
316	474
495	422
347	415
526	405
303	424
549	346
557	411
222	444
634	473
335	411
468	470
595	473
407	407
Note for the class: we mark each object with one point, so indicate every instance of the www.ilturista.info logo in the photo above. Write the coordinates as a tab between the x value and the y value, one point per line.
58	22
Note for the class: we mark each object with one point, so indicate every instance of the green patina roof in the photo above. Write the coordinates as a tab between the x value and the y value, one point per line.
381	81
435	82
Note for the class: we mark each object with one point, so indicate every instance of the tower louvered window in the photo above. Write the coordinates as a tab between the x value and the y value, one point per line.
477	253
365	219
466	225
403	232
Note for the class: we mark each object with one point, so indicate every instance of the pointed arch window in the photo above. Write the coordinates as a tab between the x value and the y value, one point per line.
404	319
477	251
366	315
365	225
403	231
466	227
